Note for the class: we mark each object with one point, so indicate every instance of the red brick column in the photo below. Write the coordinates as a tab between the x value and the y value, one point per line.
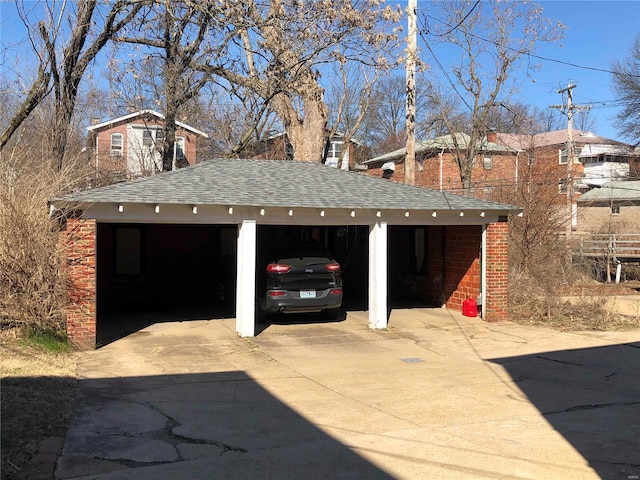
79	241
496	303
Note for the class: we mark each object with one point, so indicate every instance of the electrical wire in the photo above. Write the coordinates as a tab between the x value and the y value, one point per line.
524	52
446	74
459	23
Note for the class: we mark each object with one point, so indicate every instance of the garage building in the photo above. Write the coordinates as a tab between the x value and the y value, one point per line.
192	239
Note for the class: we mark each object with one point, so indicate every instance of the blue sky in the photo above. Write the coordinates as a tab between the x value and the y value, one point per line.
598	32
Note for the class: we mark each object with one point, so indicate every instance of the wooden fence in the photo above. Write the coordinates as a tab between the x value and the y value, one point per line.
616	246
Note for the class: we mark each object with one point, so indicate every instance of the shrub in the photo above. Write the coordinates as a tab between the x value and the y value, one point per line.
32	284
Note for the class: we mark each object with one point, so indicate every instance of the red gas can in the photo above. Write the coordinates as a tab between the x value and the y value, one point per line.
469	308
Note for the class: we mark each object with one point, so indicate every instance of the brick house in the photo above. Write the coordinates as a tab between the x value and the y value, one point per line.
278	147
507	161
436	166
160	242
596	159
128	146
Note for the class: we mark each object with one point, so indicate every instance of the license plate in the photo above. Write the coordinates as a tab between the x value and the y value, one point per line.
307	294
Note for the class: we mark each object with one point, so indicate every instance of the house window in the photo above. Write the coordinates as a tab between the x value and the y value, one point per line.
563	158
337	149
334	153
128	251
117	140
563	155
487	162
147	138
615	210
180	148
288	151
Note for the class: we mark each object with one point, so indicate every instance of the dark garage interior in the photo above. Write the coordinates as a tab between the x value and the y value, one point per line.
189	271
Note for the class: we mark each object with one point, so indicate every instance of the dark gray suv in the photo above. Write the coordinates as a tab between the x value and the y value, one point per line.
304	279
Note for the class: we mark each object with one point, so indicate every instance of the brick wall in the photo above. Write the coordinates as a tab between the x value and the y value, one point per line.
79	242
497	289
434	271
499	170
462	264
505	171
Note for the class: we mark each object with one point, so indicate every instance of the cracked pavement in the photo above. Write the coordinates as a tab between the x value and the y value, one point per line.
336	400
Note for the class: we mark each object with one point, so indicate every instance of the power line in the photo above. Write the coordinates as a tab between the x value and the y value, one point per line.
459	23
524	52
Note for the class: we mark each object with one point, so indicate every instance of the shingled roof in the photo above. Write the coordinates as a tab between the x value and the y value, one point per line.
276	183
621	191
437	144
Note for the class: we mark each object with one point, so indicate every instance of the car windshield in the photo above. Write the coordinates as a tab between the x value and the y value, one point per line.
303	257
304	261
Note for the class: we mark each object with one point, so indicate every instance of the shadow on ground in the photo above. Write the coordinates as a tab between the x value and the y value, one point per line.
112	326
590	401
198	426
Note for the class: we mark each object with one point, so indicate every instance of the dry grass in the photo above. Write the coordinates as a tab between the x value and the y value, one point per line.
568	307
579	315
37	394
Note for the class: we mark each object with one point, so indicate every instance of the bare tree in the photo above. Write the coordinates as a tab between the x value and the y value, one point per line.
384	125
626	84
553	120
283	48
179	34
518	118
62	62
240	118
349	101
583	120
490	37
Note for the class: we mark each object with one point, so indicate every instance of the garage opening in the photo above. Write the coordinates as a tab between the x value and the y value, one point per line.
148	273
428	266
347	245
432	266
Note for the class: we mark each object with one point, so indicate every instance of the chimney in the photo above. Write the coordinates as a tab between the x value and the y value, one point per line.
492	136
95	120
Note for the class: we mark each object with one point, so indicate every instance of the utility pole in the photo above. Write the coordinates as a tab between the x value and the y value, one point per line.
410	158
569	107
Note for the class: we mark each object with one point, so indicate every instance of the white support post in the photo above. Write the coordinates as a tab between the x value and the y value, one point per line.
378	275
246	291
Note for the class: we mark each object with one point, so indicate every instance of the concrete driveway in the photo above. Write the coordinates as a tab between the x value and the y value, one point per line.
437	395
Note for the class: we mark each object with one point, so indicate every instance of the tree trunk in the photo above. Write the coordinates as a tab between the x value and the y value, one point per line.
308	136
168	144
62	123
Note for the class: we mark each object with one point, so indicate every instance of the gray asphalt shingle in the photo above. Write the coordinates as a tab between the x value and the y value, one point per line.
276	183
622	190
